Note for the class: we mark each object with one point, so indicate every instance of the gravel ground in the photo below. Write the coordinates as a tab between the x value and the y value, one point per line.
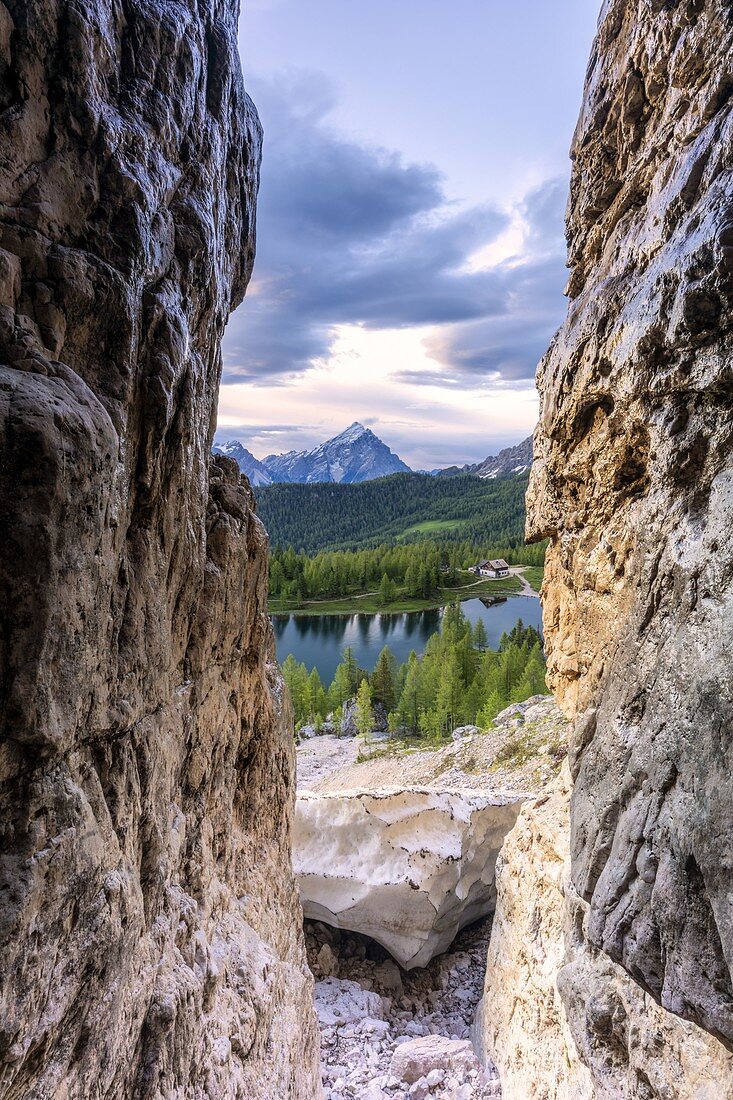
524	749
388	1034
318	757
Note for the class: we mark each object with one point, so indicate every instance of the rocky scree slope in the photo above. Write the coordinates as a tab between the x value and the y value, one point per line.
633	484
388	1034
149	928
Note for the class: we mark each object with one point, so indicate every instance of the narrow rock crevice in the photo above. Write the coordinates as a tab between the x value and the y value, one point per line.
393	1033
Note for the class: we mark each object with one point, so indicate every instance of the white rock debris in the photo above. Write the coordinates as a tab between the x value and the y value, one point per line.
408	867
389	1034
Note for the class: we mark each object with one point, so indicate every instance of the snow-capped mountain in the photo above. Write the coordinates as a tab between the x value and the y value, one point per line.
509	462
357	454
246	461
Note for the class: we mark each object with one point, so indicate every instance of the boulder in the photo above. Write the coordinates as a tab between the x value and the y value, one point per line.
432	1055
408	867
348	721
340	1003
464	731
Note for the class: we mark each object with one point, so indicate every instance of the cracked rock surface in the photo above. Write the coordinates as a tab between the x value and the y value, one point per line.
150	941
559	1019
633	485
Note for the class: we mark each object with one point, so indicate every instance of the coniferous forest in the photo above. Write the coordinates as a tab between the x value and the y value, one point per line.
401	508
457	681
412	570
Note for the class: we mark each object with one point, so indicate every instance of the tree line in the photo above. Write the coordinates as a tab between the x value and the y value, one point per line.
415	569
457	681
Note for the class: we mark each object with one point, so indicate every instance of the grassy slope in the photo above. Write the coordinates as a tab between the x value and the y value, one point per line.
533	574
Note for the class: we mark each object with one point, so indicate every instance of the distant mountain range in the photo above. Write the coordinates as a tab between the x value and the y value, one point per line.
248	464
510	462
356	455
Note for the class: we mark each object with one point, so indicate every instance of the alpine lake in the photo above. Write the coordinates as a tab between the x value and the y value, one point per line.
320	640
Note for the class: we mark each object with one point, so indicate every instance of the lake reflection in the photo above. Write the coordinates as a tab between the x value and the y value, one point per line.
320	640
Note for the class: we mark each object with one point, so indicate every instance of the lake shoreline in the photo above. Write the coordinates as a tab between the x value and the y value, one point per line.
319	641
368	603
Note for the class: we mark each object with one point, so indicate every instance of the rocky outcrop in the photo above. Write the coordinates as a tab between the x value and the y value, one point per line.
523	749
408	867
558	1018
149	939
521	1025
633	484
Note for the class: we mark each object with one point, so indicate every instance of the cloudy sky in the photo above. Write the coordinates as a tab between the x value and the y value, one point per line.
410	260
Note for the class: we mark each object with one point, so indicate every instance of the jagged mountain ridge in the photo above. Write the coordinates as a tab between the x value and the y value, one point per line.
358	454
248	464
508	463
354	455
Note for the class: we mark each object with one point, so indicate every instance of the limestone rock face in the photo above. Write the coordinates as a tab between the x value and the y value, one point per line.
149	921
408	867
558	1018
633	484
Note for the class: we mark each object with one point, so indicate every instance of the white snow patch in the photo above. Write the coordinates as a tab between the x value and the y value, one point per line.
408	867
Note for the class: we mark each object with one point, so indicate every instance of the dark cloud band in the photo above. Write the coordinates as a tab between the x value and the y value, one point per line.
352	235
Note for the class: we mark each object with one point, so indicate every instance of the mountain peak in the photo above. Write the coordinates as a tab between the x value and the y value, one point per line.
356	454
510	462
353	432
246	461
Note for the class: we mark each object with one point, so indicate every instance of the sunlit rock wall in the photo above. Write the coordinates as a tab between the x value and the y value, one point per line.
149	939
558	1018
633	484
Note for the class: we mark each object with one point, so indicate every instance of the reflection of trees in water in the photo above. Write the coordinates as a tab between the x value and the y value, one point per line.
388	624
279	624
364	626
321	626
321	639
422	623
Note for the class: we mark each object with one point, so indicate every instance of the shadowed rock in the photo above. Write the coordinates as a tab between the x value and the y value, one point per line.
149	941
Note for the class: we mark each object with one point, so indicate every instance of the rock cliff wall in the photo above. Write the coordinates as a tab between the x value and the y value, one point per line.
558	1018
633	484
149	925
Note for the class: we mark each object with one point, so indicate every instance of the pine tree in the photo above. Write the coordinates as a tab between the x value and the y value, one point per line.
480	637
409	707
345	680
317	696
364	712
490	709
384	589
383	690
448	698
352	670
